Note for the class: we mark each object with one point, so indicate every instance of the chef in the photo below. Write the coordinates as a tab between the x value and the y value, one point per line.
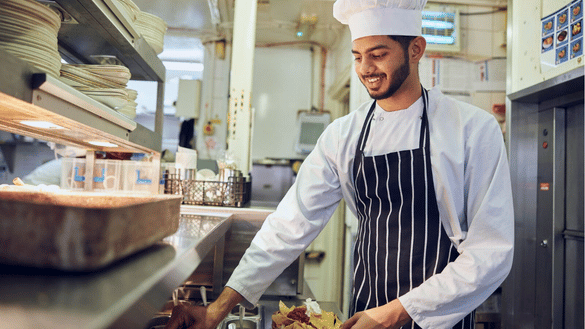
426	175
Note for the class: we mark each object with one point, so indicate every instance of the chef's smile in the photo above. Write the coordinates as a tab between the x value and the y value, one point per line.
382	65
374	81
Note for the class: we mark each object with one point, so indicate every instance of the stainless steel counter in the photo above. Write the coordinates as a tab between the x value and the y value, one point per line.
124	295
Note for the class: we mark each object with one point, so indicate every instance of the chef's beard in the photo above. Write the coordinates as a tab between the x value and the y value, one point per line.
398	78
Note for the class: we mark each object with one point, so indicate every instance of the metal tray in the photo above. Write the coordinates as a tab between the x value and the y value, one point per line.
81	231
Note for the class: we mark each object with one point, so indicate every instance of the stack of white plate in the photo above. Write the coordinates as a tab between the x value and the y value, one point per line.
28	30
115	98
130	8
130	108
104	83
153	29
97	76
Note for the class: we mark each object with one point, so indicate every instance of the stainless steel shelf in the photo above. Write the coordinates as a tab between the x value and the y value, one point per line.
125	295
97	30
27	94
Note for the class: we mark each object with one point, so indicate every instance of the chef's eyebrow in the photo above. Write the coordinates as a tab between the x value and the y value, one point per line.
355	52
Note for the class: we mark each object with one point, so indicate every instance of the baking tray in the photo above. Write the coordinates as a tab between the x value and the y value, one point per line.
81	231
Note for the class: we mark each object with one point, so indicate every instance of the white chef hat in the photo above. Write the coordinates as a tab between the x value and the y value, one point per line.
380	17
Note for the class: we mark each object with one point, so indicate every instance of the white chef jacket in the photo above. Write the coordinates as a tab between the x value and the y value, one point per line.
472	184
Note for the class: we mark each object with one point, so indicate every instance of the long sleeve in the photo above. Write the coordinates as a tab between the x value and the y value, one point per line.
474	192
298	219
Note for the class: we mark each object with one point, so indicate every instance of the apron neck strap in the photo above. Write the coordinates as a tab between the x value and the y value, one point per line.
424	127
424	131
365	129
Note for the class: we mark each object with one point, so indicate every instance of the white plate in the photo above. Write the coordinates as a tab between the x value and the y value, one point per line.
16	27
87	78
117	78
206	174
132	94
53	23
32	9
29	43
113	102
47	62
105	92
129	112
76	81
40	33
73	82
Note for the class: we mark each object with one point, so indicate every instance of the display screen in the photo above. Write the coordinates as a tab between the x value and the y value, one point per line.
310	132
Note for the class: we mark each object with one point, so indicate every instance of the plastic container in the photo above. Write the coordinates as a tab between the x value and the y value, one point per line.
73	174
107	175
141	177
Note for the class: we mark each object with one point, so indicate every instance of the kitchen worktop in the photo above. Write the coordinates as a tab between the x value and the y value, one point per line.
123	295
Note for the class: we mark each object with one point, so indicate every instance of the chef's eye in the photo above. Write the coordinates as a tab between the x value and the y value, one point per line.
357	59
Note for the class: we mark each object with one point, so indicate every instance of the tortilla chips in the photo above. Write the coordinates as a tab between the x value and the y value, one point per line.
297	318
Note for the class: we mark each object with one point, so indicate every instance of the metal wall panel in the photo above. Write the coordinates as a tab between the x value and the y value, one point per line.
545	287
574	221
518	296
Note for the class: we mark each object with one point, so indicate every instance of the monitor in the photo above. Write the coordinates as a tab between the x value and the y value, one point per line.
310	125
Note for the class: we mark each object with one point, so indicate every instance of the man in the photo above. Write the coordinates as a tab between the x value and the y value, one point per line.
427	177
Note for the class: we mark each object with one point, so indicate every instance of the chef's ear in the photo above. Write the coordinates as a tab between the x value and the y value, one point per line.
417	47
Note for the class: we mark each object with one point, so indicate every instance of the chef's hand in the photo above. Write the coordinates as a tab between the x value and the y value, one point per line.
389	316
191	317
186	316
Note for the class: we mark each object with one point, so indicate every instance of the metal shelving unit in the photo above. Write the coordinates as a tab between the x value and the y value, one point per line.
141	283
95	30
91	29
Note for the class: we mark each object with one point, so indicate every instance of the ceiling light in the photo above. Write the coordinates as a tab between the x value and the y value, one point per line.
41	124
306	26
183	66
101	143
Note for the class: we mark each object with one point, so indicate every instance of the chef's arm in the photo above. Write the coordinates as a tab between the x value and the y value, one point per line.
298	219
220	308
198	317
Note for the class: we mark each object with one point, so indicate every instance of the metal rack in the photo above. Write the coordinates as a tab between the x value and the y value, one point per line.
108	34
232	193
28	94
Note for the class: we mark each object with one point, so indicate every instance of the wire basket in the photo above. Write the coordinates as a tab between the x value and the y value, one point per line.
233	193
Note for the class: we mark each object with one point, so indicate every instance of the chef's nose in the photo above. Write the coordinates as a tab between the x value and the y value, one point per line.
366	67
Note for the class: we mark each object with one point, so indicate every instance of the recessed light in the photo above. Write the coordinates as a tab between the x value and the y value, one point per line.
41	124
101	143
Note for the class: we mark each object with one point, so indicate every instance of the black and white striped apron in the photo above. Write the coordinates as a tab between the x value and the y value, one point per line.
400	241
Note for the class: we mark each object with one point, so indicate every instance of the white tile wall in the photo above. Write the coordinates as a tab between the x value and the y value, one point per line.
482	36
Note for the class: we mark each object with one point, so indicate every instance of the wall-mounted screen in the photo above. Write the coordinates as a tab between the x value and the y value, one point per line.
441	28
309	127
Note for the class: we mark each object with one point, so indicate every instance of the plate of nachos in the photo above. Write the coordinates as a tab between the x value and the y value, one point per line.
307	316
